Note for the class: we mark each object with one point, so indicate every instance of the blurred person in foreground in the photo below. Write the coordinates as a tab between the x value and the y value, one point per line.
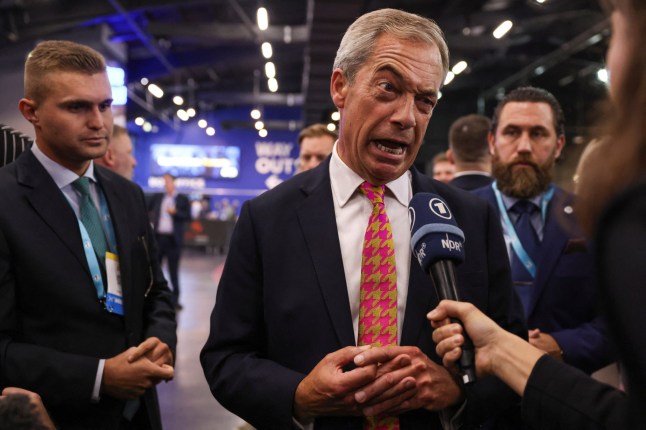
443	168
469	152
119	157
293	317
315	143
86	319
612	207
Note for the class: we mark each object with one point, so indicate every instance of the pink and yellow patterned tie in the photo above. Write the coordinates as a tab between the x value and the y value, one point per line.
378	294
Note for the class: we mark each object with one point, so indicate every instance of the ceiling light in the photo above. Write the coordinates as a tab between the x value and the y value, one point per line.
181	113
459	67
263	18
259	125
144	81
210	131
255	114
449	77
602	75
273	85
156	91
331	126
266	50
502	29
139	121
191	112
336	115
147	127
262	133
270	70
202	123
178	100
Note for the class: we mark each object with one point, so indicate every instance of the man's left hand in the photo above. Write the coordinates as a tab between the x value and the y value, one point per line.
154	350
406	379
545	342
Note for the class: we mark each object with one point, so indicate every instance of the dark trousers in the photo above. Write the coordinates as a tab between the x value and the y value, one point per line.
171	251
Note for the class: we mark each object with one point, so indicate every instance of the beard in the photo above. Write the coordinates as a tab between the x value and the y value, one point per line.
525	182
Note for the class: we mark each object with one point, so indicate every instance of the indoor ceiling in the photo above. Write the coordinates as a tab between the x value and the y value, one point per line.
209	52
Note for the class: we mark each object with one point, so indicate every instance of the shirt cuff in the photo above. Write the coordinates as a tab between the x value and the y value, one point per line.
96	391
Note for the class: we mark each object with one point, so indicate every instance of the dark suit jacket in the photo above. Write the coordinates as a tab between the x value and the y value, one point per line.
282	303
564	302
471	181
183	214
53	330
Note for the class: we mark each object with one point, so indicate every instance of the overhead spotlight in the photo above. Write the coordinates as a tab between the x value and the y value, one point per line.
439	95
270	70
267	52
539	70
449	78
178	100
156	91
540	1
210	131
502	29
459	67
263	18
262	132
144	81
255	114
147	127
202	123
273	85
181	113
259	125
331	126
139	121
602	75
336	115
191	112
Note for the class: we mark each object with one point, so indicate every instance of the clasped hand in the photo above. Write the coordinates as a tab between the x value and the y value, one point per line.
386	381
129	374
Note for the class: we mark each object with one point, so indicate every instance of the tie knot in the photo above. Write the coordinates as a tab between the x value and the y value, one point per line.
374	193
82	184
524	207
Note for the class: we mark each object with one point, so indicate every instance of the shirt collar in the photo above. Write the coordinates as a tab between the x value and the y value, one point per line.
510	201
62	176
345	182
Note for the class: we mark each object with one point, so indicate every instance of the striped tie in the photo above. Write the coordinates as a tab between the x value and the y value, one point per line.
378	295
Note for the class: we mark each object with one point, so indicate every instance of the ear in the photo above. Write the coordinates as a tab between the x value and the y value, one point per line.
338	88
491	138
28	109
108	157
449	156
560	143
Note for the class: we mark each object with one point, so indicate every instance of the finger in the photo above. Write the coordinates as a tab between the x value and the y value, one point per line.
444	332
163	372
451	357
143	348
393	399
377	355
448	344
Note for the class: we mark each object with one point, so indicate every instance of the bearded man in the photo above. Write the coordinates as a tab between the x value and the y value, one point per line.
551	266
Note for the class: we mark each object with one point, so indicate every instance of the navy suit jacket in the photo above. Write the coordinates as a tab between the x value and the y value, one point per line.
53	330
564	301
471	181
282	303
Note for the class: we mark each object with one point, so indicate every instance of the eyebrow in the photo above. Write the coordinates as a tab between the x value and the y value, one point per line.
389	68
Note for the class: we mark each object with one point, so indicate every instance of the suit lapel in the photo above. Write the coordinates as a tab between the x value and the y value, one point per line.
318	223
50	203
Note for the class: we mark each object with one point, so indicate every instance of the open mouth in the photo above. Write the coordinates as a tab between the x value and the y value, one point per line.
390	147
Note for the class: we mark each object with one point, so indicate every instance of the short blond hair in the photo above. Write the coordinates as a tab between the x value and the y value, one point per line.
58	56
316	130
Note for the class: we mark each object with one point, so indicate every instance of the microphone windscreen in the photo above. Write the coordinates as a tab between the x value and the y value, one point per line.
434	233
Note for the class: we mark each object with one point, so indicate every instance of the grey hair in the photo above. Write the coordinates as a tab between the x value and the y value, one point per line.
358	41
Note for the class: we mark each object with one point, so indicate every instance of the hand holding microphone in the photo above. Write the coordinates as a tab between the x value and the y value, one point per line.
438	244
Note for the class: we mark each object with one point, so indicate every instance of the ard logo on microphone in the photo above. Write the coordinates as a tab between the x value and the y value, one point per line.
439	208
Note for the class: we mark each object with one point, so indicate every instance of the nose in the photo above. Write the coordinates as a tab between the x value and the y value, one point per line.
95	119
524	143
404	115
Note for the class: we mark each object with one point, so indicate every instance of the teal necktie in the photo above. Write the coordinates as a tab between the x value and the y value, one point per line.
90	218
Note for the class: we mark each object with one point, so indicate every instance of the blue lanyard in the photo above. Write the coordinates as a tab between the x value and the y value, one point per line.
510	231
90	255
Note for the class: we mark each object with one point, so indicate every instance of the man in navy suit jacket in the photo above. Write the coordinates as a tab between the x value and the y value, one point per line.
469	152
527	136
282	348
63	334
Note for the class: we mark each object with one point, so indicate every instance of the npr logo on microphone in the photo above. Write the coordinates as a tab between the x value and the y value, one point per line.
451	245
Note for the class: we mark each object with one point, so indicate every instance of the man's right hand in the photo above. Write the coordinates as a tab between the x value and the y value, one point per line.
128	380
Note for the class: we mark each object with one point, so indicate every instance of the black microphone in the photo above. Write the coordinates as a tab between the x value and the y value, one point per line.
438	244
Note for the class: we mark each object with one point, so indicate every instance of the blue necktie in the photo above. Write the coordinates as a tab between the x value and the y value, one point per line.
523	280
90	218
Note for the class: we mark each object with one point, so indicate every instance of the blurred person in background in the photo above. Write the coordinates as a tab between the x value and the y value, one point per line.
119	155
315	143
443	168
469	152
